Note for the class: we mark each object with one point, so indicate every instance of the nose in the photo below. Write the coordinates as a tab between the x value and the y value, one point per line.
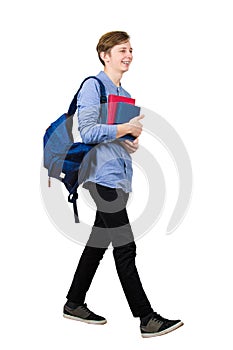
130	55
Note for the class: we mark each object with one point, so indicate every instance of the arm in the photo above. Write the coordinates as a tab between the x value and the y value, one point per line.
88	114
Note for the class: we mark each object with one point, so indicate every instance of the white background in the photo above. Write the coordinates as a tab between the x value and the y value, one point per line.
182	70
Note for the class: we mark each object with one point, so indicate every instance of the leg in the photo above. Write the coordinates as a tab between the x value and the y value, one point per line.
84	274
75	308
112	224
90	259
117	223
125	264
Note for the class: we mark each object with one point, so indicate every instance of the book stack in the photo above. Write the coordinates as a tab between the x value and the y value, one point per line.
120	110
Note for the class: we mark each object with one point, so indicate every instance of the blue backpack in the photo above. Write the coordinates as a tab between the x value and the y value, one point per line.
63	156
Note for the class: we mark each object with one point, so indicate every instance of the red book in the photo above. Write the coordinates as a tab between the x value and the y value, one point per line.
112	105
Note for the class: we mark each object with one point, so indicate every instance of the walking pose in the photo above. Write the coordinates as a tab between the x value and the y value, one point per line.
108	178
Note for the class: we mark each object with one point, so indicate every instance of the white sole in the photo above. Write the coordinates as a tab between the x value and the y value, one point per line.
83	320
165	331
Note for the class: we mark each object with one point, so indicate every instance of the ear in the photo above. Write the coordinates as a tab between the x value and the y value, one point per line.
105	56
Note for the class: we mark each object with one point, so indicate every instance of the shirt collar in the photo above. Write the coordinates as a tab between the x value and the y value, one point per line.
105	78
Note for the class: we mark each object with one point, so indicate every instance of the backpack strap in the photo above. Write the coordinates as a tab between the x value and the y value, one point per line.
73	196
103	97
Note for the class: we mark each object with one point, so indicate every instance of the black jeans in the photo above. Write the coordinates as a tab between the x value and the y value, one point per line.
111	226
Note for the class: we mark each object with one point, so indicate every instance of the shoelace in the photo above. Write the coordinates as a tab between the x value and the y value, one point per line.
84	307
158	317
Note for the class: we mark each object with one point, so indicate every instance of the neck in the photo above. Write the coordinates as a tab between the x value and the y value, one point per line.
114	76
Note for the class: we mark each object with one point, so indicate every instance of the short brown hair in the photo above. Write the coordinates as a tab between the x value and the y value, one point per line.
110	39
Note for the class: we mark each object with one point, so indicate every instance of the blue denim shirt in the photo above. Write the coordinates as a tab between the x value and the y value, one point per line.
109	164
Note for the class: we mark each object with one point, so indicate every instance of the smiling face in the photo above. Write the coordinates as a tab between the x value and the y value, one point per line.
119	58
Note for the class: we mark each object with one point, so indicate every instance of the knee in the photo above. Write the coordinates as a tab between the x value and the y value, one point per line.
125	252
94	253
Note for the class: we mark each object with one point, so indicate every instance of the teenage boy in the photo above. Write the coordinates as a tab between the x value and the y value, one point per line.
109	180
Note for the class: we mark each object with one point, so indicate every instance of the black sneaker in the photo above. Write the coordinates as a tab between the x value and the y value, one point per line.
155	325
83	314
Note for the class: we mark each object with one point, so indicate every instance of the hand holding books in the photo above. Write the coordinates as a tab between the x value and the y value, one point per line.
131	146
121	112
133	127
136	121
